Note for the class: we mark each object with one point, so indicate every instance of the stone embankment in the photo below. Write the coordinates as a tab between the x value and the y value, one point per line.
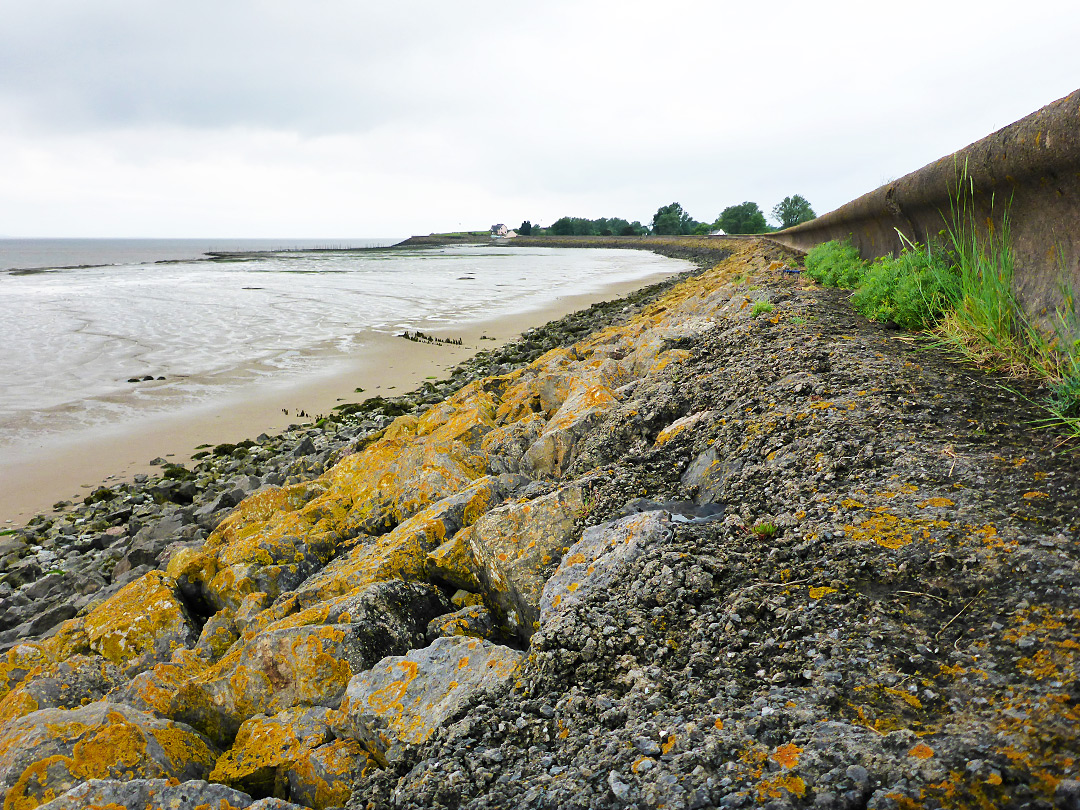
736	548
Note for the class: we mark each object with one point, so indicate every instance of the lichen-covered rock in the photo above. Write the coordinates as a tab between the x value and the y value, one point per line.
47	752
553	452
17	663
308	658
79	680
506	445
517	546
474	621
160	794
324	778
403	699
218	635
403	552
453	562
596	562
142	624
266	746
155	689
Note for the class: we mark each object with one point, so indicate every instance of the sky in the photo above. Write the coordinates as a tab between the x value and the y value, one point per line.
350	118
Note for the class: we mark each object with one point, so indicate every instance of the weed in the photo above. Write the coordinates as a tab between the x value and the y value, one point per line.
760	307
6	532
835	264
798	320
913	289
765	530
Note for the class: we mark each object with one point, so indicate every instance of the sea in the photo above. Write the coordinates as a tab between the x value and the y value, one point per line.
198	320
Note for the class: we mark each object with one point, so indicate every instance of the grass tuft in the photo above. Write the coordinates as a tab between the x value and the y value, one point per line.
963	292
760	307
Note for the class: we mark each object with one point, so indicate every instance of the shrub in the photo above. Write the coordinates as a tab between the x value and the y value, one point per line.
913	289
835	264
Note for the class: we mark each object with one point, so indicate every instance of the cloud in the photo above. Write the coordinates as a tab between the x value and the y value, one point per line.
354	118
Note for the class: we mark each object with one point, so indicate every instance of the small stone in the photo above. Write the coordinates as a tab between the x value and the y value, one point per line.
618	786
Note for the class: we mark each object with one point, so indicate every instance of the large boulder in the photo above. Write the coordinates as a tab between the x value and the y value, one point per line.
160	794
266	746
324	778
517	546
553	452
78	680
600	559
140	625
297	664
50	751
402	700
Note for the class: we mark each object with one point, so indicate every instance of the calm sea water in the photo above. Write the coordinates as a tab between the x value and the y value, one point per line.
31	254
70	339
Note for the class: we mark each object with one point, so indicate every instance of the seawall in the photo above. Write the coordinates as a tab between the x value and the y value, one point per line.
1030	168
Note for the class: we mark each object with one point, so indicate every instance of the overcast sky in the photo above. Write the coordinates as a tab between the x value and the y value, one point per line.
349	118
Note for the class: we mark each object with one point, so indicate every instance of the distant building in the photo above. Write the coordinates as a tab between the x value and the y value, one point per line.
499	230
717	232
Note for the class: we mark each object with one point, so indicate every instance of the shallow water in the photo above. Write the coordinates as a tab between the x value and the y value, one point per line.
71	339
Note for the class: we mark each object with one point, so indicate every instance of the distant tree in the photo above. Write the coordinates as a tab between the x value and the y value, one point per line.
745	218
634	228
701	229
792	210
670	220
563	226
526	228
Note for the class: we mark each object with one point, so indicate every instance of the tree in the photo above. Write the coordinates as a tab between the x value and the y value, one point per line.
745	218
526	228
792	210
671	220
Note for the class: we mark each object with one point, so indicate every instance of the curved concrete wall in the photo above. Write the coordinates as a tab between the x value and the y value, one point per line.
1035	163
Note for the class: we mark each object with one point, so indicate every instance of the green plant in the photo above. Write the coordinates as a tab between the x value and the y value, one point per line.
798	320
835	264
760	307
913	289
988	325
765	530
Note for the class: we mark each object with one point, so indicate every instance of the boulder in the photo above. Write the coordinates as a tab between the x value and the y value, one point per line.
324	778
517	546
553	452
140	625
402	700
160	794
297	664
599	560
474	621
50	751
65	684
266	746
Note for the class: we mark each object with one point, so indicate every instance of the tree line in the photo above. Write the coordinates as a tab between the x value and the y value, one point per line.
673	220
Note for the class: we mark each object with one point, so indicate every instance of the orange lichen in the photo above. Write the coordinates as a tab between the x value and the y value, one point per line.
787	755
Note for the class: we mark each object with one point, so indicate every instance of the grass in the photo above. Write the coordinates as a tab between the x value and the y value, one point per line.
760	307
960	290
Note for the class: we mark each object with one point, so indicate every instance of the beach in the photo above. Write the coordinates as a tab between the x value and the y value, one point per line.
31	482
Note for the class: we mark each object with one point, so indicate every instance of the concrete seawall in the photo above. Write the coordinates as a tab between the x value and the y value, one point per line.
1032	167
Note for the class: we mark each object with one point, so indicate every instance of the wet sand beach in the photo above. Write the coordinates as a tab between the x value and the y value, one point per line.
31	482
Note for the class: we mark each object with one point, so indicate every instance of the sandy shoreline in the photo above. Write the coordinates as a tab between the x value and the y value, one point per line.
68	471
